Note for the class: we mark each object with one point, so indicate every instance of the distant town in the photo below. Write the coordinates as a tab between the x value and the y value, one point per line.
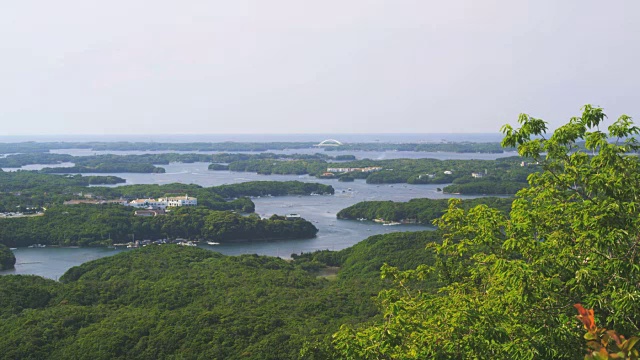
148	207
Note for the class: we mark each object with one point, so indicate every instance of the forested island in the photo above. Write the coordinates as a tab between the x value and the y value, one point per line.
170	301
415	211
504	176
504	281
7	259
26	189
216	218
142	163
103	225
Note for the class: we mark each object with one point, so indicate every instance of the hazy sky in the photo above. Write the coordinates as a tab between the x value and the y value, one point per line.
302	66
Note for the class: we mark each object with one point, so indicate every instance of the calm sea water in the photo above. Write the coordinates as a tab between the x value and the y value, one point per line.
321	210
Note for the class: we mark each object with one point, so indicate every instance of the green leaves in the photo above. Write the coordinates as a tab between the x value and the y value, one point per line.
509	282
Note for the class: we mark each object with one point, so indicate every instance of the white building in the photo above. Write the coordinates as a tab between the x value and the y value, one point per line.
181	201
477	175
164	203
346	170
148	203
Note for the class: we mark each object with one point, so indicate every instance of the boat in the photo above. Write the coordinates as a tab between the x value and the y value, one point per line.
212	243
13	249
391	223
37	246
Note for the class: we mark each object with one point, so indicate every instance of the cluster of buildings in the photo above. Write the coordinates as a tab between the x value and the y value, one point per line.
149	204
163	203
477	175
346	170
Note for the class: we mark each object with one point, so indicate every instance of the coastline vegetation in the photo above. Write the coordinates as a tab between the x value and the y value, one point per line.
500	278
419	211
171	301
103	225
7	258
509	284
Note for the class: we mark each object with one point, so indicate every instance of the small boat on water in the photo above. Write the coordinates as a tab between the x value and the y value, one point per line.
391	223
212	243
37	246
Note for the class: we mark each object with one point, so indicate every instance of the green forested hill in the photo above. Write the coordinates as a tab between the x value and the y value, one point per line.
170	302
422	211
104	224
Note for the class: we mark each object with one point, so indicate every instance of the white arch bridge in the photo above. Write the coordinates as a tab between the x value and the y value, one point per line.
329	142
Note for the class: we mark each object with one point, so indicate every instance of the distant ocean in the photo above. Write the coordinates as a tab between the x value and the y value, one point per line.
346	138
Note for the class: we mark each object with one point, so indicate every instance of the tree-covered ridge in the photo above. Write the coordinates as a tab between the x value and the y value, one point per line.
165	302
273	188
106	224
500	176
509	283
268	167
7	259
422	211
22	190
30	181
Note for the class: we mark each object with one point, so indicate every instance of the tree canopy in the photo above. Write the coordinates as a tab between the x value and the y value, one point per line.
7	259
509	282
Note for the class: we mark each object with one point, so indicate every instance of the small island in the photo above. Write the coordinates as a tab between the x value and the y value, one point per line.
7	259
416	211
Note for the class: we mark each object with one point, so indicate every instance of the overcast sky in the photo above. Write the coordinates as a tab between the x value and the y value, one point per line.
302	66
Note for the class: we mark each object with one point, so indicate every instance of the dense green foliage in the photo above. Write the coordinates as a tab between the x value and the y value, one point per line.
433	171
7	259
509	283
504	176
30	181
142	163
105	168
267	167
167	302
422	211
486	187
103	224
365	259
23	189
273	188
